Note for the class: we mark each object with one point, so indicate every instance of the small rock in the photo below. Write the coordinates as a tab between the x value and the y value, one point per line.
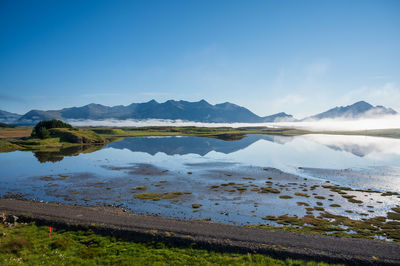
11	219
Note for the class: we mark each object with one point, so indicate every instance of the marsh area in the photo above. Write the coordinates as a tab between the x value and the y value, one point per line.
256	180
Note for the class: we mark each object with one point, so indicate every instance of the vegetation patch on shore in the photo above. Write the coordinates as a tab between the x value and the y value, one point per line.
6	146
331	224
158	196
30	244
48	136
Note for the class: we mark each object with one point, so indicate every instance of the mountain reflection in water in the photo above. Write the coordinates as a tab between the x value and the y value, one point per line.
360	146
187	145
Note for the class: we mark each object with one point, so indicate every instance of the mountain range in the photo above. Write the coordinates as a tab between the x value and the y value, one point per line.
200	111
357	110
7	117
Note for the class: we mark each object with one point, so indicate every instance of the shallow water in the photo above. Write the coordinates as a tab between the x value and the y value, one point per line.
194	165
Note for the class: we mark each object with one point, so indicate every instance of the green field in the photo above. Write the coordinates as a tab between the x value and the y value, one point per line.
29	244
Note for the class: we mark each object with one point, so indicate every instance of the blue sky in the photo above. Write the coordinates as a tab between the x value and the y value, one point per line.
301	57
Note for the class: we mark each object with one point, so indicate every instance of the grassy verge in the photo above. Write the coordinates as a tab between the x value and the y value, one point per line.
30	244
6	146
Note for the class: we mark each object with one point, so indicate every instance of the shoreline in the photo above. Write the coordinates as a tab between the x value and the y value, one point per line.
205	235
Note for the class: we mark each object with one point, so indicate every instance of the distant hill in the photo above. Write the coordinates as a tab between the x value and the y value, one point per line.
359	109
200	111
282	116
7	117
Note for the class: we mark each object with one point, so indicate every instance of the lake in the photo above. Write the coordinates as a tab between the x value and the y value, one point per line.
236	182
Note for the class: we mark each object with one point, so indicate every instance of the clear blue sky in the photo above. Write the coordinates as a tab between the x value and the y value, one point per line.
300	57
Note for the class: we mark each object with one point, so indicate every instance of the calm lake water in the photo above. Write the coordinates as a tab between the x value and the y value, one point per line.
224	177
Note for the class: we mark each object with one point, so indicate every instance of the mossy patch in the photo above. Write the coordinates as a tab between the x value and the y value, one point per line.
300	194
393	216
302	203
269	190
157	196
241	189
396	209
47	178
332	224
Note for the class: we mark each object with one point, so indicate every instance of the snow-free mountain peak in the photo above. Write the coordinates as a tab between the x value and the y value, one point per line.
356	110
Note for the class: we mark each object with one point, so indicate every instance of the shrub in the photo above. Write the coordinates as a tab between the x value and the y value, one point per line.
42	133
40	129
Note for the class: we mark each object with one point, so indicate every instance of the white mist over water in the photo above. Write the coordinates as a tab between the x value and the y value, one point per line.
386	122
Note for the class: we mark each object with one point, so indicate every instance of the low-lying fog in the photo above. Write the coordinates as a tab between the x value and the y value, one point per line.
387	122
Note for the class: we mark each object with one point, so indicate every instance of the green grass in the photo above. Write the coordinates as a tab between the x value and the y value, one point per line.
6	146
60	138
76	135
40	144
30	244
